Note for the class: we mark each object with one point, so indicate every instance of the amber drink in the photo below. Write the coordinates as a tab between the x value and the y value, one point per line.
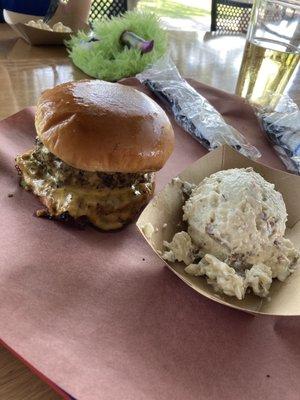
271	53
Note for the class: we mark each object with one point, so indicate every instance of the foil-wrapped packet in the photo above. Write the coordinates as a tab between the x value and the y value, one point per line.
191	110
282	127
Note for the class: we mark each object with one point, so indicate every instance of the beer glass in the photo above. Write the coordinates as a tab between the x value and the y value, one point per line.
272	51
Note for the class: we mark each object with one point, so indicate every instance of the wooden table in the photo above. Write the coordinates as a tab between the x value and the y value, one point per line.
26	71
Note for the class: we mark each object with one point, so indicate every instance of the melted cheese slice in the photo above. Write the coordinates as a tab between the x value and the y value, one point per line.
106	208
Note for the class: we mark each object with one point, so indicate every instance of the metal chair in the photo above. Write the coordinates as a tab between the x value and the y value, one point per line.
230	16
101	8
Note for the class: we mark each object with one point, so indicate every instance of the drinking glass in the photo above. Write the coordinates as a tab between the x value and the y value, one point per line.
272	51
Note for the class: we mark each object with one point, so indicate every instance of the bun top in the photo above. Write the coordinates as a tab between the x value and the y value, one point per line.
100	126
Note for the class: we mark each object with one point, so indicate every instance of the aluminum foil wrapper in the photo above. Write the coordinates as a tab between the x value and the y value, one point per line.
282	127
191	110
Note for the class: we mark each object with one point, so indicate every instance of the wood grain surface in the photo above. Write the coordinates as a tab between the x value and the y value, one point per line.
18	383
26	71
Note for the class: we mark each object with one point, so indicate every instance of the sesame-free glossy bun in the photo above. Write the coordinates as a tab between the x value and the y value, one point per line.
100	126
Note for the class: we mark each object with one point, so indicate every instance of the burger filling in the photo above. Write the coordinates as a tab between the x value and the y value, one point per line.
108	200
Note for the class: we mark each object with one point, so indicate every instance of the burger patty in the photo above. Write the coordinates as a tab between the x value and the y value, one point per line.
43	164
106	200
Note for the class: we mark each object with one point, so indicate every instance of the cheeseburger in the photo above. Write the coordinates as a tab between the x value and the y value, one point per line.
97	148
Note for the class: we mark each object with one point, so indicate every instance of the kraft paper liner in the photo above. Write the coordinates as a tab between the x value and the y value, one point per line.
166	208
99	315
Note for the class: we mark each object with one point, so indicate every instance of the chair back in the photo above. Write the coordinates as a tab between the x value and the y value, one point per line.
100	9
230	16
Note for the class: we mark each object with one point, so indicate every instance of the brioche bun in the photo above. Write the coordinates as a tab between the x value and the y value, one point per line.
94	125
